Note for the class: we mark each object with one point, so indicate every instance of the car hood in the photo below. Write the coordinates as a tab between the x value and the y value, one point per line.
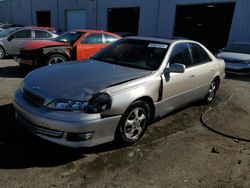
233	57
78	80
36	44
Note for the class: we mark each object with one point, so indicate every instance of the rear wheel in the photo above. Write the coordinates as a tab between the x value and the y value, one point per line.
56	58
2	53
133	123
211	92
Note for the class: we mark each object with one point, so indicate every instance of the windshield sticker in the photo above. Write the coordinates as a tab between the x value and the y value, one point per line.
154	45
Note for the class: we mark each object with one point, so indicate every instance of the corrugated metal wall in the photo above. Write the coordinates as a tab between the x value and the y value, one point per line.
157	17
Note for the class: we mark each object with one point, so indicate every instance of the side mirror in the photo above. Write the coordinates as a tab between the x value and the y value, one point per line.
10	37
176	67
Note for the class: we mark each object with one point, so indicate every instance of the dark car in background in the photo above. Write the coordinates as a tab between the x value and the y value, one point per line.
12	38
237	58
7	26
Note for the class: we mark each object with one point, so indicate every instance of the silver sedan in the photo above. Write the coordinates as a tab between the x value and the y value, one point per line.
114	95
11	39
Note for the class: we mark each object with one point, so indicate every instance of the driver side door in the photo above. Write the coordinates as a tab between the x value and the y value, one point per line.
19	37
89	45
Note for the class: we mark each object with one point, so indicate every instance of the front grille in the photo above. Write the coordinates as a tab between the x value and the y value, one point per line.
38	130
33	98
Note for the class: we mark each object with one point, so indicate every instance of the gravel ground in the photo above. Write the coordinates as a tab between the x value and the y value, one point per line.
177	150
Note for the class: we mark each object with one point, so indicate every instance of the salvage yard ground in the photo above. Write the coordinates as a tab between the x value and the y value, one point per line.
177	150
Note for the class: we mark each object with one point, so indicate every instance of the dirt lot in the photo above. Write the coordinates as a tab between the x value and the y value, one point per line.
177	151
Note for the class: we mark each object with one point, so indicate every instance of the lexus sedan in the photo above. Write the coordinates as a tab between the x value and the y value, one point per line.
237	58
114	95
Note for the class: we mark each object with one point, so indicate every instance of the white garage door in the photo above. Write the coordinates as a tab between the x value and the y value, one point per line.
76	19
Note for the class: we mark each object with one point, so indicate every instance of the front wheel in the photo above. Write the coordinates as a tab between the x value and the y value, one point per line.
133	123
54	59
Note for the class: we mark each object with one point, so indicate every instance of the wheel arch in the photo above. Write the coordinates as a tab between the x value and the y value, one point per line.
150	102
217	78
51	53
1	46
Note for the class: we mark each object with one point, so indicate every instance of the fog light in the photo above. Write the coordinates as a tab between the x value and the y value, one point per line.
77	137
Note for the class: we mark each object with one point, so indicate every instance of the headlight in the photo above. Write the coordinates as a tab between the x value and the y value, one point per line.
98	103
68	105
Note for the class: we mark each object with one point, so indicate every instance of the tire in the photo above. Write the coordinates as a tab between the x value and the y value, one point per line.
2	53
211	92
56	58
133	123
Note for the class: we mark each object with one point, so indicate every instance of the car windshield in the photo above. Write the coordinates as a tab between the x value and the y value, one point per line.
238	48
140	54
70	37
7	31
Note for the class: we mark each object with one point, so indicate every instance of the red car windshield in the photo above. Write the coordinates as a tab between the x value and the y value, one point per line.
69	37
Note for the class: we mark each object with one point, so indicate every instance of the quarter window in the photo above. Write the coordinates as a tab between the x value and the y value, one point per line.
23	34
199	54
42	34
181	54
92	39
109	39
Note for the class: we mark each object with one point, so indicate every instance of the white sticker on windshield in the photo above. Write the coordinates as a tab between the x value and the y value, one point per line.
154	45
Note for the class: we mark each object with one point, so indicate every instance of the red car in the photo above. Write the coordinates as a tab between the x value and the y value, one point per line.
73	45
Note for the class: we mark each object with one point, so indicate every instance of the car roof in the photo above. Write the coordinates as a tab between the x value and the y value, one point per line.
92	31
169	41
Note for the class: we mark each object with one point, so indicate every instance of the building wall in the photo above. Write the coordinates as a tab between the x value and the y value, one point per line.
148	13
88	5
157	17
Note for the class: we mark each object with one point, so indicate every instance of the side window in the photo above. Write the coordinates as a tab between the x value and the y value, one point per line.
42	34
23	34
92	39
109	39
180	54
199	54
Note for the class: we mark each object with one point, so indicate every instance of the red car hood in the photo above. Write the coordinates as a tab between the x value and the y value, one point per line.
36	44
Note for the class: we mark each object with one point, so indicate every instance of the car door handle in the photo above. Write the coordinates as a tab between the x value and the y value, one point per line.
212	70
192	76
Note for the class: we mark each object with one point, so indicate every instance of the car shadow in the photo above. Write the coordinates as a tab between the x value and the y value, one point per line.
245	78
12	72
20	149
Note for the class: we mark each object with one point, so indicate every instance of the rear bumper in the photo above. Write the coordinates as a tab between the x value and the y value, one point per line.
238	68
55	126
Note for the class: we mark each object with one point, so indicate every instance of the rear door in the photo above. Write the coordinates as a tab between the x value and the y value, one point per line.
18	38
89	45
203	69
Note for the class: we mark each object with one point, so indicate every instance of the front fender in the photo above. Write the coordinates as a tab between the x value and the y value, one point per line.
122	99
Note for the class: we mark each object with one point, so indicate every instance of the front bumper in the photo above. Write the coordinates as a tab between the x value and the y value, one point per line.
237	68
24	61
55	126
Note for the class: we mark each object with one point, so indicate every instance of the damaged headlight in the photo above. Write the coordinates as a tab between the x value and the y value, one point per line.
98	103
